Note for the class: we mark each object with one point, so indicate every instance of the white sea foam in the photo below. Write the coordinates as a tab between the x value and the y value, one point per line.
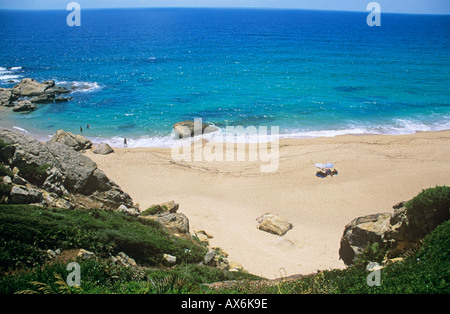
397	127
79	86
9	74
21	129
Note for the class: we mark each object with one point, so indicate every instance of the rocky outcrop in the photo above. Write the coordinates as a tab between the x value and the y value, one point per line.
59	172
273	223
166	215
6	97
360	232
76	142
24	105
33	91
190	128
31	87
397	232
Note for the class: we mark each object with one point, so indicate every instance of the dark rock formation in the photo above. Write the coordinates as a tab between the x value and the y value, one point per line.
24	105
76	142
397	232
62	172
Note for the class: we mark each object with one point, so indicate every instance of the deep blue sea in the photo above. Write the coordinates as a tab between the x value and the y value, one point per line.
136	72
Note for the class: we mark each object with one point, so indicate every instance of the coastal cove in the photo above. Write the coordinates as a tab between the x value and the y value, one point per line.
225	199
311	73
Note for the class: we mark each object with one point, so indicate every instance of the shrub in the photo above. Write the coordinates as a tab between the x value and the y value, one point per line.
34	174
435	199
154	210
5	171
26	230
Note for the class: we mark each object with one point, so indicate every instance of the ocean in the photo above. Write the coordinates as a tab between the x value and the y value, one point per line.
136	72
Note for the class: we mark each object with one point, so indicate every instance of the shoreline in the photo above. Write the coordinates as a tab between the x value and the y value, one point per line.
168	140
225	198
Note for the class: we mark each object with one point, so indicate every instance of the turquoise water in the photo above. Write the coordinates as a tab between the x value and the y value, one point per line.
136	72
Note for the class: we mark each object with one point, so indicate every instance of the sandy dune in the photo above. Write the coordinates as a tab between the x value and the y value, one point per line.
225	198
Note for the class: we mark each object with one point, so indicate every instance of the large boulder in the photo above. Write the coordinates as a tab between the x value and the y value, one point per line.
24	105
24	195
31	87
76	142
103	149
361	232
411	224
190	128
5	96
273	223
174	223
43	99
400	231
66	170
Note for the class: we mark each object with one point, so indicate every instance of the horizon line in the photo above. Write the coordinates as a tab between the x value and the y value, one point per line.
221	8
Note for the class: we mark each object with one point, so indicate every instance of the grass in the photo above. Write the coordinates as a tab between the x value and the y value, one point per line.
26	232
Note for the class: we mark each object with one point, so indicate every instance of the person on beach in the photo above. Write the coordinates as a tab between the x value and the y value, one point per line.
125	142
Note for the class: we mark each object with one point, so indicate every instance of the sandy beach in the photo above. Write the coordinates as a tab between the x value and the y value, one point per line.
225	198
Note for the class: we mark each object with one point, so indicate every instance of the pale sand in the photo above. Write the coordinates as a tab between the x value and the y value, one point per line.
225	198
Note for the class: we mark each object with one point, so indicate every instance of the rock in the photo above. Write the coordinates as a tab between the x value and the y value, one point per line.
235	266
24	105
123	259
51	254
76	142
43	99
57	90
396	232
360	232
190	128
24	195
62	99
167	207
209	257
273	223
7	180
84	254
175	223
103	149
54	182
130	211
5	96
52	200
203	236
170	259
30	87
88	186
409	226
19	180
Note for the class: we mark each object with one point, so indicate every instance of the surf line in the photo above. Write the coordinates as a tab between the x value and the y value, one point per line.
265	149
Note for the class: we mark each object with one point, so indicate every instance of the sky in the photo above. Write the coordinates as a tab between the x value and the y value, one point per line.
387	6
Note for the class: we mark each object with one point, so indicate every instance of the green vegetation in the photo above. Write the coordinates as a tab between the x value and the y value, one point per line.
154	210
5	171
426	272
435	199
26	232
34	174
